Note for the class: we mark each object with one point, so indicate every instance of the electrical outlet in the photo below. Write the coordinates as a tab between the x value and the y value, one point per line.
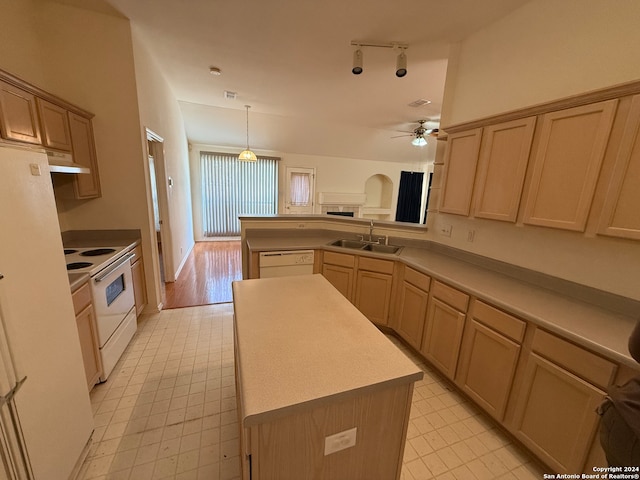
445	230
471	235
340	441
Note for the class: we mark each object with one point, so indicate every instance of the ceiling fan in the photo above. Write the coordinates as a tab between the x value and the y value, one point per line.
419	133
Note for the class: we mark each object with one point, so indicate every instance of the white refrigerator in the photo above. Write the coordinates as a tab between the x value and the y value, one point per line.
47	421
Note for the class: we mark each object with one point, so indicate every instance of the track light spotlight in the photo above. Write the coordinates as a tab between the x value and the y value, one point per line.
357	62
401	64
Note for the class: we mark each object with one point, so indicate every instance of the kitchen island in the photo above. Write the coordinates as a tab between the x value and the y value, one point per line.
322	393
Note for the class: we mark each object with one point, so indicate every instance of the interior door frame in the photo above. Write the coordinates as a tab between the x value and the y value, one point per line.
155	147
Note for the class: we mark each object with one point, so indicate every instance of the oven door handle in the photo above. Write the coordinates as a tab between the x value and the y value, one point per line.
110	269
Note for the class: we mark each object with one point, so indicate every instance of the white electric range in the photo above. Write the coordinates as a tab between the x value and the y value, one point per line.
112	291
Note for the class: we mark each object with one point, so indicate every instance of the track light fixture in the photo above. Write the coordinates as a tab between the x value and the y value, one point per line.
401	64
357	62
401	60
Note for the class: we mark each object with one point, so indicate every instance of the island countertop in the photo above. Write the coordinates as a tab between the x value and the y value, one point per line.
301	344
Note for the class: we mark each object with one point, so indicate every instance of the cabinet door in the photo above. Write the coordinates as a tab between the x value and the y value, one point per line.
620	216
18	115
566	165
461	159
340	277
412	314
487	366
442	336
139	286
84	153
373	295
555	414
55	125
85	321
501	169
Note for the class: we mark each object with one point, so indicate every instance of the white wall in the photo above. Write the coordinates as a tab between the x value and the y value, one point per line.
333	174
159	112
544	51
86	58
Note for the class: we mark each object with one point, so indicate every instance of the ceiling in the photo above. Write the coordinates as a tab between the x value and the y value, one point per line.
291	61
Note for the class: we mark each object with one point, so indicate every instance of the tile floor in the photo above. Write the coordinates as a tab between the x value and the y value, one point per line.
168	412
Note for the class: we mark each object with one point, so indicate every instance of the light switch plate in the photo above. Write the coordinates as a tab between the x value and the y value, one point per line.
340	441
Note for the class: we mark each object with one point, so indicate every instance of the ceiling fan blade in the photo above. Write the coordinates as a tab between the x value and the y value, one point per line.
405	135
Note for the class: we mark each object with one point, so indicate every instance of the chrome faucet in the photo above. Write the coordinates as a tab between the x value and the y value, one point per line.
371	231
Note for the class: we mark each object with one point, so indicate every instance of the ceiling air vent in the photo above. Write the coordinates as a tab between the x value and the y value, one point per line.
230	95
421	102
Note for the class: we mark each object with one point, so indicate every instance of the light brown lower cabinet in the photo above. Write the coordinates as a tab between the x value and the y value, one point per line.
444	326
412	308
554	412
488	357
338	268
139	283
87	333
374	284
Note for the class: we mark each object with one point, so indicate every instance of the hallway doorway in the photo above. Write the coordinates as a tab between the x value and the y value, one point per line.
207	275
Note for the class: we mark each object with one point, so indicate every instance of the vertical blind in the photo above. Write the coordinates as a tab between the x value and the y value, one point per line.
231	188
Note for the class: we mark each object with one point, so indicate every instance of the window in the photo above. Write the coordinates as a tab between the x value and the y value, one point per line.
231	188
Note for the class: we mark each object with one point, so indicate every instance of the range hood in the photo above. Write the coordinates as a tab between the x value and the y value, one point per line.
63	163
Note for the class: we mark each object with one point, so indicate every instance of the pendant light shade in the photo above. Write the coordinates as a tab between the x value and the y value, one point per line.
247	155
419	141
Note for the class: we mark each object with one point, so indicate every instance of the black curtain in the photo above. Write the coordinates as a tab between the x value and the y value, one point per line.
426	204
409	195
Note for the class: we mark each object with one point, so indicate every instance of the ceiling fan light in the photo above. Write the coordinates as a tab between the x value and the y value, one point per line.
419	142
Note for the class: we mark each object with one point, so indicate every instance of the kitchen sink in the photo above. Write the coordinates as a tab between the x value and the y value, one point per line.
374	247
370	247
345	243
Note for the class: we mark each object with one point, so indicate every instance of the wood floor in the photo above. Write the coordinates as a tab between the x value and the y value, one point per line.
206	276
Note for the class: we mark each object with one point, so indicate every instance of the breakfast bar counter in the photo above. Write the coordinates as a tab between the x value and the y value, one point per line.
322	393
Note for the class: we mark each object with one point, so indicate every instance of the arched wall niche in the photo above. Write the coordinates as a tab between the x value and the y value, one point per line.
379	191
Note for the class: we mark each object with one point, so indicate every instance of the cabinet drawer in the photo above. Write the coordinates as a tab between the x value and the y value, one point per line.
585	364
341	259
501	322
450	296
375	265
81	298
137	254
417	279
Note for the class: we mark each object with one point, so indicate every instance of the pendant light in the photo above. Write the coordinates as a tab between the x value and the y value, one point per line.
247	155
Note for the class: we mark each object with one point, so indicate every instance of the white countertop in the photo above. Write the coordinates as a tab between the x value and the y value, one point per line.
301	344
603	331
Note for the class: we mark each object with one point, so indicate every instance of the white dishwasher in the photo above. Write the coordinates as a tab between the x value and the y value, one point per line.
286	262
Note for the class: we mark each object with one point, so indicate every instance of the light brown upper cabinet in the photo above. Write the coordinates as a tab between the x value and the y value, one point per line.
502	166
55	125
620	217
461	159
18	115
84	153
566	165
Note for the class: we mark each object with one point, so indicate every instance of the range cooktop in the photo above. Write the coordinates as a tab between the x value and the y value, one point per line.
91	260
